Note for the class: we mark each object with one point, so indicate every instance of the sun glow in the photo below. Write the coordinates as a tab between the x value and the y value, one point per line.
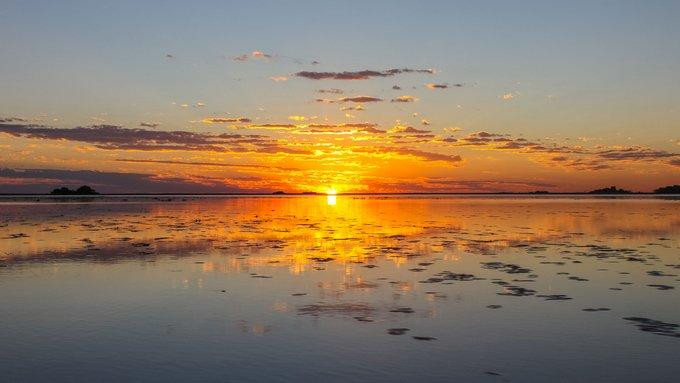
331	196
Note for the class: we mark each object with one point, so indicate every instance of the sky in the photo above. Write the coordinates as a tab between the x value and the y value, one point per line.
345	96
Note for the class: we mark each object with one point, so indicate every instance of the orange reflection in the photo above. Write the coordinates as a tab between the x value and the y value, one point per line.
304	233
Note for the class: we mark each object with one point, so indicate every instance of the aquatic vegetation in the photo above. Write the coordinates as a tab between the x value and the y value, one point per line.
656	326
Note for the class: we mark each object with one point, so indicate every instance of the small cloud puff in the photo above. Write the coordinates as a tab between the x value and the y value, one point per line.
508	96
404	98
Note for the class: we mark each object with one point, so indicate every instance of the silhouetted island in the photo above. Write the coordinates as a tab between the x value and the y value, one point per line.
279	192
83	190
671	189
610	190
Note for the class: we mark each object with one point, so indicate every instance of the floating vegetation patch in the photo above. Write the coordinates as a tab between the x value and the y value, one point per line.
655	326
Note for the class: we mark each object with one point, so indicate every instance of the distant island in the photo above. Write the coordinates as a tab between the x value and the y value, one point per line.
83	190
671	189
610	190
280	192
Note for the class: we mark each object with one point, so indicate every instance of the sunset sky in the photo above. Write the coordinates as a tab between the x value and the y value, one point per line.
353	96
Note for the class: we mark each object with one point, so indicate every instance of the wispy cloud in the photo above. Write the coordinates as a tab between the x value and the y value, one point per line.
344	128
358	75
225	120
12	119
331	91
567	156
401	151
357	99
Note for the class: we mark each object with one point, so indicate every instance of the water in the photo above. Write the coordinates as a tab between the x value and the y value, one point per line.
307	288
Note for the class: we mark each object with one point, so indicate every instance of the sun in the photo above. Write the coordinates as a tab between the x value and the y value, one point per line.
331	198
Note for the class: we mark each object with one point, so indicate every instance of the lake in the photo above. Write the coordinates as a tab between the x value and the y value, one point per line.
340	288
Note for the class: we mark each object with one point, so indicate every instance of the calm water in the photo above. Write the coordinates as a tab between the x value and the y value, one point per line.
340	289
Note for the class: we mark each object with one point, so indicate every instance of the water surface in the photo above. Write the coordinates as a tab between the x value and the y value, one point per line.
347	288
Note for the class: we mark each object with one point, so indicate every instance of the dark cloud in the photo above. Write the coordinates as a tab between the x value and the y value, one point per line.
500	141
408	130
357	99
44	180
636	153
423	155
193	163
111	137
359	75
150	124
360	99
12	119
